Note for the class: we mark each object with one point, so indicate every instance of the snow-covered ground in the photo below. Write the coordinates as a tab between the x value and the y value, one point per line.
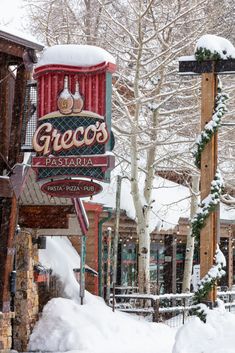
67	326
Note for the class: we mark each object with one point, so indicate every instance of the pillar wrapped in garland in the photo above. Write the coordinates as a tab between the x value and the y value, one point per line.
219	59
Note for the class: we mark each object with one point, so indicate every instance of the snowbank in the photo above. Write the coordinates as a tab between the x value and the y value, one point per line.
216	335
94	328
66	325
75	55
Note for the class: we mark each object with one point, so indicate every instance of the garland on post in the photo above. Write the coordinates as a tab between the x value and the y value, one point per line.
209	204
211	128
207	282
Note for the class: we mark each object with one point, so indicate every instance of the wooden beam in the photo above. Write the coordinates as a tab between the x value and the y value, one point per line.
42	217
208	236
17	116
16	41
5	187
230	263
188	67
11	48
8	225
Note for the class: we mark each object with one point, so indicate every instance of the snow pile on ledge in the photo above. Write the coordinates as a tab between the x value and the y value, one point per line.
94	328
75	55
214	336
216	45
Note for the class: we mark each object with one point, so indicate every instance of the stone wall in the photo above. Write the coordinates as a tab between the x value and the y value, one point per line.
5	331
46	291
26	298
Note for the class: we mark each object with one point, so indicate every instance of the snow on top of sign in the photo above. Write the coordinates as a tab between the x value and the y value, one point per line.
217	44
75	55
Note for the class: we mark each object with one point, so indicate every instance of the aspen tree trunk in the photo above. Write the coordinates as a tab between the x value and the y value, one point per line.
188	264
144	257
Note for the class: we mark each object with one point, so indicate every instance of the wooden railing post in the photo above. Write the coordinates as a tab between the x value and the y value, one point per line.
156	310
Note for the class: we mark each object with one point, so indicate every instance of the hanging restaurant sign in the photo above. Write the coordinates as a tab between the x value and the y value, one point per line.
71	188
72	145
73	137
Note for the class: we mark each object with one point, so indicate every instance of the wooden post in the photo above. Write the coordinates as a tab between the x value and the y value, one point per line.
230	262
208	235
82	267
116	230
174	251
109	241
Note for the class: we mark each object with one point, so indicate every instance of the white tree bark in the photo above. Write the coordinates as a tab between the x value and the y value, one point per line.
188	264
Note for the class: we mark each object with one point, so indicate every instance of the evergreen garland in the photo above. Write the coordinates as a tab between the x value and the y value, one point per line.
211	128
210	203
207	206
210	279
202	54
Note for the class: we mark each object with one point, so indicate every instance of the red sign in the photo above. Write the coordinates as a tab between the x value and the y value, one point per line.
103	161
73	137
71	188
48	140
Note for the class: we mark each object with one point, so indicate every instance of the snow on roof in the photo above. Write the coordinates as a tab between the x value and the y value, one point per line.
75	55
227	212
217	44
170	201
10	33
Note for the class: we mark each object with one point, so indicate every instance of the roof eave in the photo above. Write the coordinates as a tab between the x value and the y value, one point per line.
20	41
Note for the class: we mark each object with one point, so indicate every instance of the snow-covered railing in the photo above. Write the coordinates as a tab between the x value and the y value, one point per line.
170	308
